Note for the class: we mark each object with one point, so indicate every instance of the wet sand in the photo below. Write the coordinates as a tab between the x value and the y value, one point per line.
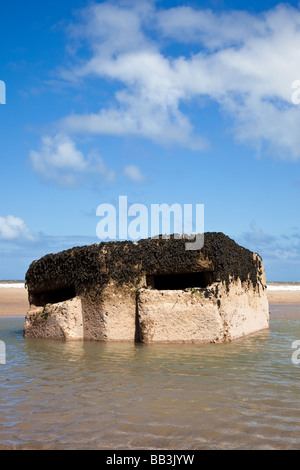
284	297
14	301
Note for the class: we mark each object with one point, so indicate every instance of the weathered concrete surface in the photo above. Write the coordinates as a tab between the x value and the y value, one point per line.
190	316
62	320
113	318
149	291
244	311
178	316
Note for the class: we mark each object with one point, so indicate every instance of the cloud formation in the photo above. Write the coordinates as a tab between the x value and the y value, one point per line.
245	63
14	228
60	160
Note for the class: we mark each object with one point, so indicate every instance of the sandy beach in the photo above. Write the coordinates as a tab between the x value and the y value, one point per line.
284	297
14	302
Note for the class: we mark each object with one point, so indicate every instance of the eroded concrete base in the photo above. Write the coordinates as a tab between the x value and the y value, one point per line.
62	320
244	310
178	316
201	315
112	317
216	314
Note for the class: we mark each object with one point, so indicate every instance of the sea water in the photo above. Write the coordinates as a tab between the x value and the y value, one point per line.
89	395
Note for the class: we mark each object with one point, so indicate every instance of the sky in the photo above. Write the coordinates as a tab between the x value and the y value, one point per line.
182	102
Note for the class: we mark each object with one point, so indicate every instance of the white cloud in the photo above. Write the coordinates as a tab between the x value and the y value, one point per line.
147	103
14	228
59	159
185	24
246	63
147	107
58	152
134	173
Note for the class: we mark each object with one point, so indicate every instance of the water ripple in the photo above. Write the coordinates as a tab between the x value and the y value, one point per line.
241	395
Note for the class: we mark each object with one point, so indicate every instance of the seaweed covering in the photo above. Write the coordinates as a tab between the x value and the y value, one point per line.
127	262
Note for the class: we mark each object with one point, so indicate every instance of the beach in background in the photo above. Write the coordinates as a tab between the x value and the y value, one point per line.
13	299
14	296
283	292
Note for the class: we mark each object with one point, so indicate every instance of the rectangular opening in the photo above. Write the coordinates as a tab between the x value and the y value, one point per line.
180	281
52	296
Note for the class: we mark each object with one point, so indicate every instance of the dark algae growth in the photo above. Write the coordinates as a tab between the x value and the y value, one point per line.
81	268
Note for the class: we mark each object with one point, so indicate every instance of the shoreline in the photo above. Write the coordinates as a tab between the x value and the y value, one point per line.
14	302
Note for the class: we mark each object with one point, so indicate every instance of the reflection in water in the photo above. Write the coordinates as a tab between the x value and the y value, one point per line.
86	395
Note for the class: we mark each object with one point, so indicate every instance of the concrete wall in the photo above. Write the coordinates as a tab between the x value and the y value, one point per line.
216	314
180	316
62	320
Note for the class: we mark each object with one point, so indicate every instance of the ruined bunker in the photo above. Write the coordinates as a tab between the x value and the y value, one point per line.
153	290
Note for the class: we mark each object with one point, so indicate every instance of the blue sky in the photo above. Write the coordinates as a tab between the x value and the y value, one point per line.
183	102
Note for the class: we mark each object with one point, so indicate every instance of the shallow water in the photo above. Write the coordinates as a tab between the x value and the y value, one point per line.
241	395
